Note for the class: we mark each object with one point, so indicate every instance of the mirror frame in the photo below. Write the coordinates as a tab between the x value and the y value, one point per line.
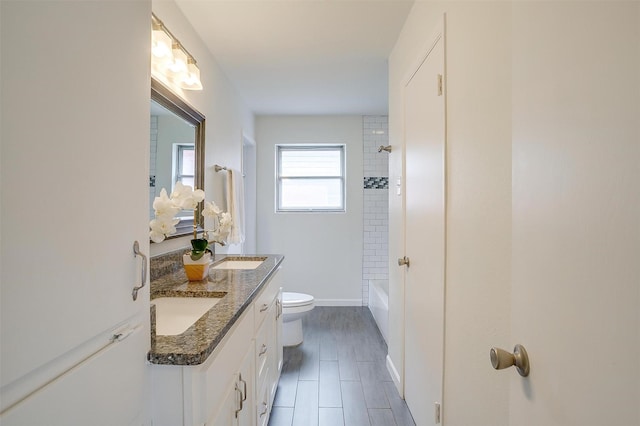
174	103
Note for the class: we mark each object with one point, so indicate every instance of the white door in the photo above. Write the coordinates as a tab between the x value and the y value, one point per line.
75	162
576	213
425	236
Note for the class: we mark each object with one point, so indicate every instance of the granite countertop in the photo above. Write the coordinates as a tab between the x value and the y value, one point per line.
238	288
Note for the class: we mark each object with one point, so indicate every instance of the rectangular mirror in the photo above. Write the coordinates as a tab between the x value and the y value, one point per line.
176	150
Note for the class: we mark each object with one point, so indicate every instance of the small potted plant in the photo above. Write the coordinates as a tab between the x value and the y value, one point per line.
184	197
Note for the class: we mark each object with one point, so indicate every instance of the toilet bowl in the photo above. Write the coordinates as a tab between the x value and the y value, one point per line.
294	307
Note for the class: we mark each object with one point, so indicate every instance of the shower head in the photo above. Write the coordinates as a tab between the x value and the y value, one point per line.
384	148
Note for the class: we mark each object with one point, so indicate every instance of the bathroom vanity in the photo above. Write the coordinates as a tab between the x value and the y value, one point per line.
223	368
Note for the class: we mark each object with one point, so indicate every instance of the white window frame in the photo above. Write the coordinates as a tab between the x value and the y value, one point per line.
177	160
311	147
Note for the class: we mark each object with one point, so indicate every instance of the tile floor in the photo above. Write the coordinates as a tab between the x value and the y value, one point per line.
338	376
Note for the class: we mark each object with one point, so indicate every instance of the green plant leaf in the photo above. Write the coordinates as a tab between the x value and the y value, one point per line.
198	248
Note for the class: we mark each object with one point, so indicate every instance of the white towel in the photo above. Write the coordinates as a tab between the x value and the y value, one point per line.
235	206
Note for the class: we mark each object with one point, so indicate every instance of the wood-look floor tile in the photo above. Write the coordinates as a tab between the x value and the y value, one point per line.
344	355
401	412
381	417
353	404
281	416
330	393
328	347
331	417
310	361
286	391
347	362
305	412
374	393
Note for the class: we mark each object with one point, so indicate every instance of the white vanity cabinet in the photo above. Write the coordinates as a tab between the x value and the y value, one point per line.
268	322
236	385
237	407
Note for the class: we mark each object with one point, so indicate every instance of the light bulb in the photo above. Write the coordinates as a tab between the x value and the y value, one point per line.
191	78
160	44
178	63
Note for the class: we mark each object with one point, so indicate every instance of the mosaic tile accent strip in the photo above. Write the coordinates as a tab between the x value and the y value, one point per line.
376	183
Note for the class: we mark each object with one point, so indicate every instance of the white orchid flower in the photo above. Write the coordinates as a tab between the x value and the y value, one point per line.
211	210
161	227
164	206
198	195
185	197
180	191
225	221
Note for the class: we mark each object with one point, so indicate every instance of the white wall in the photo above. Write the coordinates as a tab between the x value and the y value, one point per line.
227	116
479	199
323	251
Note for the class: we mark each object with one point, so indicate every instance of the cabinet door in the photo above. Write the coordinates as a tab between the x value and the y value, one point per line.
275	343
278	333
227	414
68	267
246	385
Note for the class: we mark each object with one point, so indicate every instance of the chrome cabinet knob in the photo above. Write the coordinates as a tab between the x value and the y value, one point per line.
502	359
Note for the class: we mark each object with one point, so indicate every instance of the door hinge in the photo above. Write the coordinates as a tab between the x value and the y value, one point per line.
439	84
437	412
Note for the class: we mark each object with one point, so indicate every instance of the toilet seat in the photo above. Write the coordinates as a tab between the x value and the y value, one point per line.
294	300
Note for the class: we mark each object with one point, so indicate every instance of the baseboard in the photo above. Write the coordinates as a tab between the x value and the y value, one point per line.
395	376
338	302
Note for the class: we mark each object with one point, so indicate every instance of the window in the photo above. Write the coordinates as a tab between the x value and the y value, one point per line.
184	164
310	178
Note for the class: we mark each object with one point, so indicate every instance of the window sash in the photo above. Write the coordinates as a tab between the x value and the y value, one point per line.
181	175
322	190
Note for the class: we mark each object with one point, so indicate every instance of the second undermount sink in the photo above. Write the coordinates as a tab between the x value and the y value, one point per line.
240	262
174	315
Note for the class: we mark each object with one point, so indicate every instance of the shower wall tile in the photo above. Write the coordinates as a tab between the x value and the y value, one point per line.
375	262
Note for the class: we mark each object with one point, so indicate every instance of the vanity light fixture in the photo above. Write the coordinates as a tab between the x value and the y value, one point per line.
170	59
192	80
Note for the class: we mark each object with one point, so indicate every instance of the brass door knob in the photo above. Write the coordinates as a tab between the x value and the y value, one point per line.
502	359
402	261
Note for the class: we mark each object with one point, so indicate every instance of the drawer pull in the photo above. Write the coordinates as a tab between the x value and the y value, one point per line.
143	280
244	388
263	350
265	409
264	307
240	399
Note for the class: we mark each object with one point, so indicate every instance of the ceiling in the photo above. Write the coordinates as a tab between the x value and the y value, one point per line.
303	56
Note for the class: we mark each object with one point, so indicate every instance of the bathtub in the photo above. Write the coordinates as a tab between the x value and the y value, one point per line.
379	304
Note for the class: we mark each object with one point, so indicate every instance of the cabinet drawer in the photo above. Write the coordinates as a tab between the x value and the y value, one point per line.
262	406
265	299
263	350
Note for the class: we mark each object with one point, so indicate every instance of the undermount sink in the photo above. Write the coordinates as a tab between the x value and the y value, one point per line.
238	262
174	315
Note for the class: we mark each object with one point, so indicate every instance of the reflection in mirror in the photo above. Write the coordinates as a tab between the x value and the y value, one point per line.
172	152
177	148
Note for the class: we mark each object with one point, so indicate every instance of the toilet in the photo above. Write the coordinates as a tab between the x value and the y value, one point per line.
294	307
